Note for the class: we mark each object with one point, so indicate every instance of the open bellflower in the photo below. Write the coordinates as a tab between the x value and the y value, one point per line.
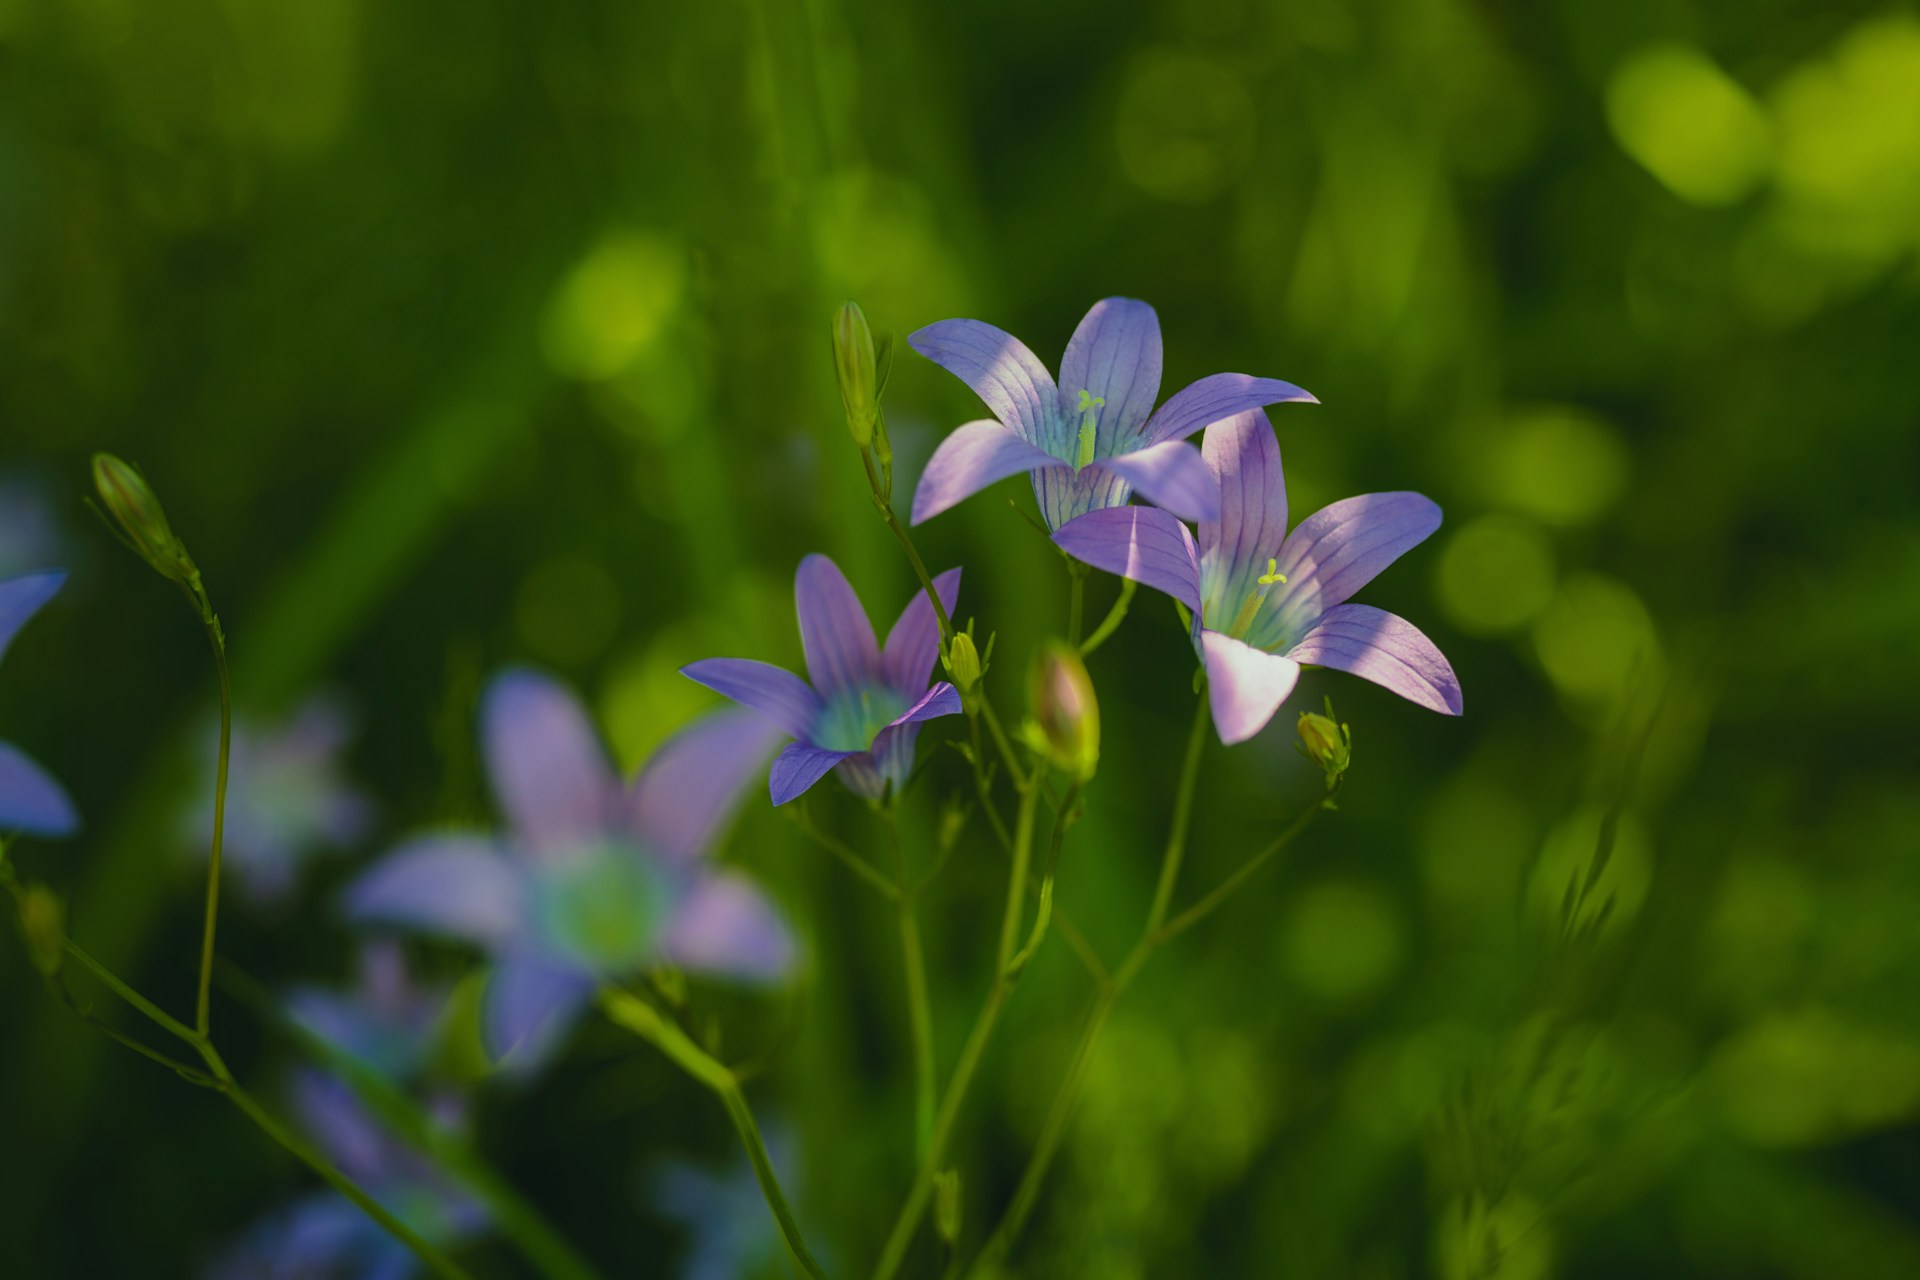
592	880
1266	602
1093	440
862	714
30	800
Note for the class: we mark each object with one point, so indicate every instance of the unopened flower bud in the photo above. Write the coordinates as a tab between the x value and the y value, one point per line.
1066	715
947	1205
130	500
43	923
963	666
1326	742
853	363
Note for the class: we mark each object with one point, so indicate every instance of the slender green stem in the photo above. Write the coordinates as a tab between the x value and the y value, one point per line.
919	1009
1005	745
1115	616
900	535
907	1222
1017	881
853	861
1182	817
436	1261
1076	600
202	1015
1232	884
645	1021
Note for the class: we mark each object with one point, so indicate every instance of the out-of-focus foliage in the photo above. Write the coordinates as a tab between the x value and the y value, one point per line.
461	334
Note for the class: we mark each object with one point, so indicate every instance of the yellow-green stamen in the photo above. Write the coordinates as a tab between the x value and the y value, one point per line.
1089	424
1254	598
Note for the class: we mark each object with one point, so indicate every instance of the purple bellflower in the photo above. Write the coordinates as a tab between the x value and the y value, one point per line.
287	798
30	800
593	880
862	714
1265	602
1094	439
387	1021
325	1236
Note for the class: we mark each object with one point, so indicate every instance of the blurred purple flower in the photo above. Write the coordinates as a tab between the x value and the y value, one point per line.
386	1021
729	1233
1266	602
325	1236
30	800
31	533
863	711
1093	440
591	880
288	798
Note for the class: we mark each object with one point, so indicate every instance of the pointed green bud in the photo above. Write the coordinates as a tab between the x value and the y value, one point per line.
43	921
1326	742
947	1205
853	363
130	500
964	667
1066	715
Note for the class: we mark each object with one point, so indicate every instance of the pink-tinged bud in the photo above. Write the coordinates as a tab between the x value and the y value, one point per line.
130	500
43	922
1066	715
853	364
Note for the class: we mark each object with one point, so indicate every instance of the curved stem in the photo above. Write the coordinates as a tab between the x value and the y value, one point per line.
1076	600
1115	616
645	1021
1182	817
919	1009
202	1012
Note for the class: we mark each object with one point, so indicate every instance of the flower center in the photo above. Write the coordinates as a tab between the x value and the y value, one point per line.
856	716
604	908
1255	598
1089	426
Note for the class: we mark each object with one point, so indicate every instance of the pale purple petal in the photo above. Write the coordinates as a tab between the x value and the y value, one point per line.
727	926
31	802
21	598
834	629
785	698
549	771
800	766
1386	649
1001	371
1245	458
458	885
339	1122
974	456
1142	543
531	1003
1170	475
940	700
913	646
1115	356
1245	686
1063	493
1218	396
693	783
1340	548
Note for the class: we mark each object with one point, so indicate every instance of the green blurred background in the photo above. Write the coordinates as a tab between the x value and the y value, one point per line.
461	334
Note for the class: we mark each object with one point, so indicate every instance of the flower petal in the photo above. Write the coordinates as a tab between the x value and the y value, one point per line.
914	643
1245	685
782	695
1171	475
1341	548
695	779
1217	396
31	802
1245	458
1142	543
972	457
834	629
940	700
21	598
1001	371
727	926
1115	356
459	885
1386	649
549	771
800	766
1063	493
531	1003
